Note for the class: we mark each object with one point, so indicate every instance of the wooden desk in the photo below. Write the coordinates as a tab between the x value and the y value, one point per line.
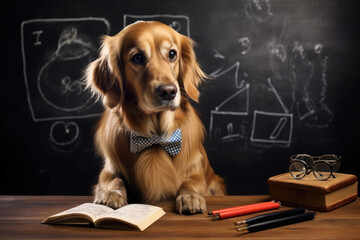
20	218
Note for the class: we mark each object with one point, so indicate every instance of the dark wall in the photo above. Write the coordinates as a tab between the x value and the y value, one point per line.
284	74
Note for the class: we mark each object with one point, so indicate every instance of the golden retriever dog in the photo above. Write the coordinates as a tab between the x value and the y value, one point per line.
150	136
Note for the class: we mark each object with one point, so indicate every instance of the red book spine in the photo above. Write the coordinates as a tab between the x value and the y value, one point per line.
248	210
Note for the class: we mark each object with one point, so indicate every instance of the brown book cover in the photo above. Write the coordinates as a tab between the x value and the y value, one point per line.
313	194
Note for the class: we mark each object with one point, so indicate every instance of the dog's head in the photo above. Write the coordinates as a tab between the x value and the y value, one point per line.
148	64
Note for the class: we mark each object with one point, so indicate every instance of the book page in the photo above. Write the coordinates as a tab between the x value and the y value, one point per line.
91	209
134	214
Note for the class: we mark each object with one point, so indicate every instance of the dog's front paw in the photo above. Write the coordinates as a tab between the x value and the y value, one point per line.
190	202
110	198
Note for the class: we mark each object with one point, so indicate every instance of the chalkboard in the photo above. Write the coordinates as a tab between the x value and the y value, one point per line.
283	80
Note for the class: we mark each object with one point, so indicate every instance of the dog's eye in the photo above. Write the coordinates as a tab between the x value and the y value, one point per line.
172	55
138	58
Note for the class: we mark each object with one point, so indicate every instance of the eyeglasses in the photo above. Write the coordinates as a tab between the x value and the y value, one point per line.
322	167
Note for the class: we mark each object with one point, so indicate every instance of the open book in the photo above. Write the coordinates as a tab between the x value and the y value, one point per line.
136	216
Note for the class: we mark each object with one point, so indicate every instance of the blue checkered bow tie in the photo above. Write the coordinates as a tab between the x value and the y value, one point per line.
172	144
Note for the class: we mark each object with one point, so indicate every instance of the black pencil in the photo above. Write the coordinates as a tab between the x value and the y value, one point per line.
277	222
270	216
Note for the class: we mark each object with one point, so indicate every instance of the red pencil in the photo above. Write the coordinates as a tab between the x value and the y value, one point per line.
248	210
240	207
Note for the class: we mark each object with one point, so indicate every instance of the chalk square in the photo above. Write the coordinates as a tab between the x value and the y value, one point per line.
226	127
271	127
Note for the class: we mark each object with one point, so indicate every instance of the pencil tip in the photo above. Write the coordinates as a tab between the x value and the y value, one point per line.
239	223
242	229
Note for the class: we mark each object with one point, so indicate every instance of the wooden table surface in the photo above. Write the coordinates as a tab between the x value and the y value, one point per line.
21	216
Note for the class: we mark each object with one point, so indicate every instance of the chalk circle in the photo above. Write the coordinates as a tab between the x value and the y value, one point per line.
63	134
60	79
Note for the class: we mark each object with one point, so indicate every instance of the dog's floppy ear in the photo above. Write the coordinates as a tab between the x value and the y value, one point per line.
103	75
190	71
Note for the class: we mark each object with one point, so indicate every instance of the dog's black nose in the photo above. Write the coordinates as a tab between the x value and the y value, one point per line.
166	91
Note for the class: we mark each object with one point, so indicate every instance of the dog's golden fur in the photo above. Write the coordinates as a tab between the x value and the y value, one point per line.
131	66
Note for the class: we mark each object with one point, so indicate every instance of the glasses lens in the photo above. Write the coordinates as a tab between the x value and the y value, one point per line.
336	166
297	169
306	158
322	171
333	160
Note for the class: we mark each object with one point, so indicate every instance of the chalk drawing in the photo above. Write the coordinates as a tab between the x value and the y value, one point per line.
300	70
269	127
318	48
278	129
259	10
308	69
224	119
238	100
299	49
218	55
244	90
37	33
180	23
277	96
55	86
72	86
303	66
277	51
239	83
295	74
55	53
175	25
245	42
62	133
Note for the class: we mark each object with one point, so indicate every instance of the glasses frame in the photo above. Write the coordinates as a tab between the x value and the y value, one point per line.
308	169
